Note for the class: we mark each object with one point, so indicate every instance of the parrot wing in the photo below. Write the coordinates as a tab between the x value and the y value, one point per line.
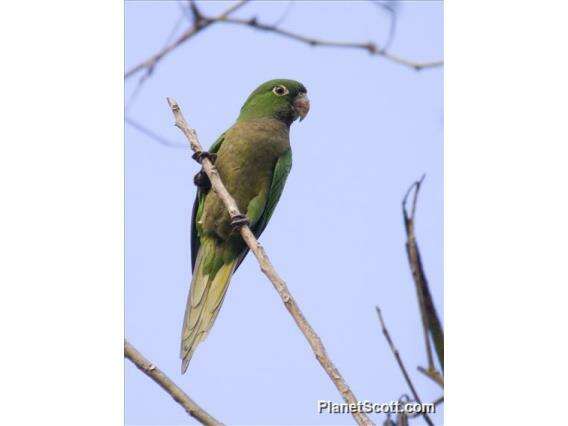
199	200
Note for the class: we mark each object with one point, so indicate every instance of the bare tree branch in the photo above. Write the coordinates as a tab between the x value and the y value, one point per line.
170	387
199	25
430	321
201	22
396	354
370	47
266	266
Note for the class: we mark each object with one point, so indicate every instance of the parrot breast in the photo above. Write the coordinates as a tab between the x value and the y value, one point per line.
245	161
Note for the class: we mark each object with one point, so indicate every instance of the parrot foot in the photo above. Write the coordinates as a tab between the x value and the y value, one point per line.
201	180
239	221
200	155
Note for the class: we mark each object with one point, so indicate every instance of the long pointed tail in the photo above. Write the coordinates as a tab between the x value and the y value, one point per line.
208	288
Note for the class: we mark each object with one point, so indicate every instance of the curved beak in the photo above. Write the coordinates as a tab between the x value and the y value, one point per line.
301	105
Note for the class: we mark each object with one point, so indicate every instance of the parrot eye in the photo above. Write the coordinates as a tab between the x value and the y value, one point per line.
280	90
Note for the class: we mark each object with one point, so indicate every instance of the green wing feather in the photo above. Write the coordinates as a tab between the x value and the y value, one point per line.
281	172
198	202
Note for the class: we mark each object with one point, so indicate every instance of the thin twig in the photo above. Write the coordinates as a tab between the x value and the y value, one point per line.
430	321
285	14
370	47
391	11
433	374
267	268
170	387
151	134
396	354
199	25
194	9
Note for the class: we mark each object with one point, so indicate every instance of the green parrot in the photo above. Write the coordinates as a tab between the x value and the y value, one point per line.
253	158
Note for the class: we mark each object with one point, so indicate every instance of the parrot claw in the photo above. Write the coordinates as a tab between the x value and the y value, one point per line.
201	180
239	221
200	155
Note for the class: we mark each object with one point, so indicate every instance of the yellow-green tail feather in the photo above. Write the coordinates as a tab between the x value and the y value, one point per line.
208	288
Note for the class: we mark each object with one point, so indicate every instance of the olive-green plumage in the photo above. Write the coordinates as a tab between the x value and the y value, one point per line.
253	160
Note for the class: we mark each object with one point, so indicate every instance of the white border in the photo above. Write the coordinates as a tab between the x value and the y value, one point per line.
61	217
506	209
61	220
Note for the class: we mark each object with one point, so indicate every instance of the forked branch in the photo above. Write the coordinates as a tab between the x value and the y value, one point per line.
199	25
266	266
200	22
170	387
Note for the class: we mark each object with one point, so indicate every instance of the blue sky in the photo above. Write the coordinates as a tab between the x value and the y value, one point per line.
337	235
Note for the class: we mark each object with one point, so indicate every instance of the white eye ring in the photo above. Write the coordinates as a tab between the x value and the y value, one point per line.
280	90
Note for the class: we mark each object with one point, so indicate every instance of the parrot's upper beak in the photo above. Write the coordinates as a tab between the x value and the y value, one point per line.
301	105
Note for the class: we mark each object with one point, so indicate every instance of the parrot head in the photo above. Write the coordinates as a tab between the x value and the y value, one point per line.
285	100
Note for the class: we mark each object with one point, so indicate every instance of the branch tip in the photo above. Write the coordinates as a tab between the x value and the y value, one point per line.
431	325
